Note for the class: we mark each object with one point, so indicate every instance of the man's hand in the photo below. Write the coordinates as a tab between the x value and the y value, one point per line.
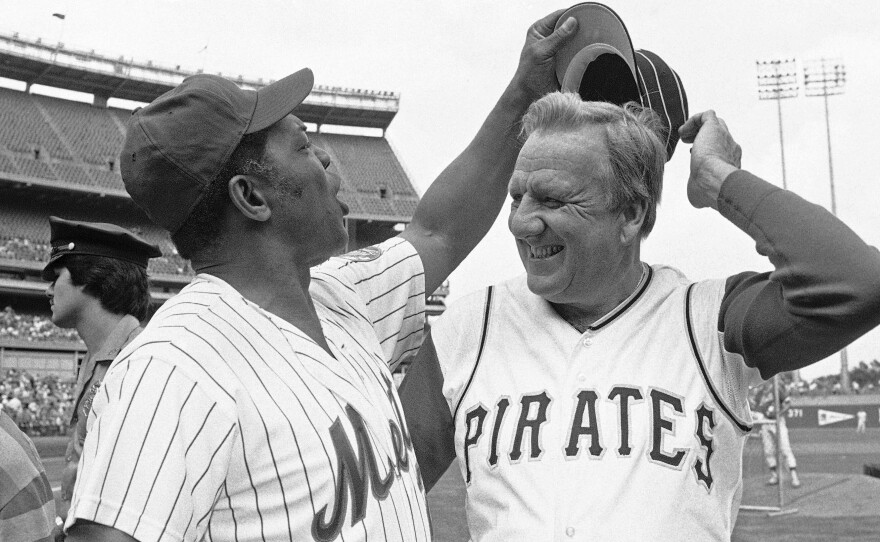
714	156
536	73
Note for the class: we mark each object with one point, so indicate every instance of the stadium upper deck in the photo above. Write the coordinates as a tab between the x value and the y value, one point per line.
60	157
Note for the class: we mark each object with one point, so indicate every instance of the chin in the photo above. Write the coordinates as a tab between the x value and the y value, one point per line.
542	287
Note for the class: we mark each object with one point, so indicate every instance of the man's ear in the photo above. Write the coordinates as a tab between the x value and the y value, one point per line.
632	216
248	194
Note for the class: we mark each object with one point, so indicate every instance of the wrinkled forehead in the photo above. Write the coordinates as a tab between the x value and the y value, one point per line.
555	156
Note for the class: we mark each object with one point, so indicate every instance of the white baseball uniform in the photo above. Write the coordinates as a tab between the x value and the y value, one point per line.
634	429
223	421
567	435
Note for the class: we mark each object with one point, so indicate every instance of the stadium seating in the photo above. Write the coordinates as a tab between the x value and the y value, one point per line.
368	163
91	132
24	128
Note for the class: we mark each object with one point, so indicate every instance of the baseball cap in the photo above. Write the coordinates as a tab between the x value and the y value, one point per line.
661	90
175	146
71	237
598	62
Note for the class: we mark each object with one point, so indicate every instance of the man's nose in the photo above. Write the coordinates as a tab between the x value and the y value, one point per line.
524	220
323	157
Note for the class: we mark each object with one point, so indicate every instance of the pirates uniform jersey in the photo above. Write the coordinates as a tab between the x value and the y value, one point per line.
222	421
632	430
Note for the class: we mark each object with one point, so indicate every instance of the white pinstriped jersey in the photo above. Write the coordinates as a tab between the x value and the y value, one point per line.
222	421
633	430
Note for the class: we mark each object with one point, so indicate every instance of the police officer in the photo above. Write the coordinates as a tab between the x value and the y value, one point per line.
98	285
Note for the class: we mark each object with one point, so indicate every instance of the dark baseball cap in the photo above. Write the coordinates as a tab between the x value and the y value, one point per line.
71	237
175	146
598	62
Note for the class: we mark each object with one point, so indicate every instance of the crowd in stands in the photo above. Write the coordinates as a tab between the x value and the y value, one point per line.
24	249
32	328
40	406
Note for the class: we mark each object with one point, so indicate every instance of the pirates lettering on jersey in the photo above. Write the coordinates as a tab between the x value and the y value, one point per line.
358	474
584	435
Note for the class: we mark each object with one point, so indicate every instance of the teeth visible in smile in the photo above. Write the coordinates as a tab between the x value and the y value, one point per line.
540	253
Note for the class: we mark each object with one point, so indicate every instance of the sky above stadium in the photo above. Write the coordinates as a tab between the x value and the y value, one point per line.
450	60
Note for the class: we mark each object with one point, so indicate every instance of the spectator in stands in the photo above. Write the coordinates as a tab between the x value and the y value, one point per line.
99	286
27	506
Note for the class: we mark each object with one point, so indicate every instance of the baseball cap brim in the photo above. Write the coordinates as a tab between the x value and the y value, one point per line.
599	61
275	101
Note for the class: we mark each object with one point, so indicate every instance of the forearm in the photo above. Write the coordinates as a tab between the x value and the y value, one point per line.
431	428
462	203
825	289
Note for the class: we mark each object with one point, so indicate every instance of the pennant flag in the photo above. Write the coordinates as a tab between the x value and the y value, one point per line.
827	417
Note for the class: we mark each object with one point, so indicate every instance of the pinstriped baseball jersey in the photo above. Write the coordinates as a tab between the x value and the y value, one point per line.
632	430
224	421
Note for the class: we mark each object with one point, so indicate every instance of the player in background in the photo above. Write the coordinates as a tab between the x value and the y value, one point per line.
258	404
764	404
98	285
598	397
861	421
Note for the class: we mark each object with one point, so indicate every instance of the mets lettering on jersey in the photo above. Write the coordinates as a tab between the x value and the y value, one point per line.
223	421
632	430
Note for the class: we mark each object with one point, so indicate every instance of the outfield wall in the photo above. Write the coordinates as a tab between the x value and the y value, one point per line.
836	411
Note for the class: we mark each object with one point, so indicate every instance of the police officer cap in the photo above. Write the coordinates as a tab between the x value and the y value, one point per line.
70	237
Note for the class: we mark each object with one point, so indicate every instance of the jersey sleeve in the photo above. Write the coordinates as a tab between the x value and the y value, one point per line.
729	376
456	336
390	280
823	294
156	456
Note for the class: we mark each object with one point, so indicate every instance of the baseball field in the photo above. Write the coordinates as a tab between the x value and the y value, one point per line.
836	502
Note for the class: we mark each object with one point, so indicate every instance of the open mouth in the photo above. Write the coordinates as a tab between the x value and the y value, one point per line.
544	252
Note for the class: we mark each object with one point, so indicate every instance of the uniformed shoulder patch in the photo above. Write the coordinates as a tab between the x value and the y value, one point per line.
366	254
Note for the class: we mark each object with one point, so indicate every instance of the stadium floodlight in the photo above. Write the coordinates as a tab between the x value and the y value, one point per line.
777	80
826	77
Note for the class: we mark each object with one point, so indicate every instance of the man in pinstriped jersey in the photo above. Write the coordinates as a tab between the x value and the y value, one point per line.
258	403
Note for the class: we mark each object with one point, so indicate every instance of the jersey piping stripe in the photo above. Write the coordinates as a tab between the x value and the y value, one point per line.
614	314
483	334
745	428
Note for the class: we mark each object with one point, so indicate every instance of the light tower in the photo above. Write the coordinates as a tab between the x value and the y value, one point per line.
777	80
826	77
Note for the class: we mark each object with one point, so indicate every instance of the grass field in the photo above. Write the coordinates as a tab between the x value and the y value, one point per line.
836	502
